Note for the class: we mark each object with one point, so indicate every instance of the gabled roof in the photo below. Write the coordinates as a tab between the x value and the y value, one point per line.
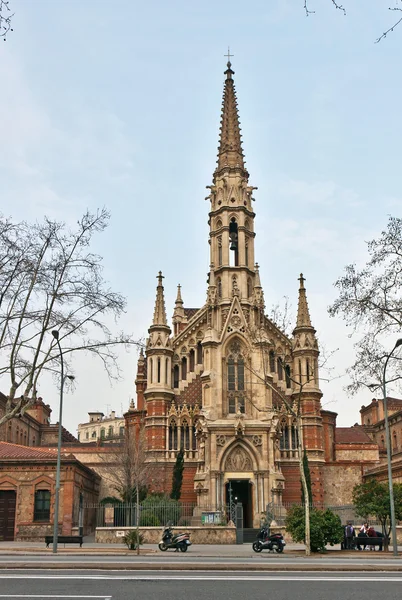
190	312
352	435
8	450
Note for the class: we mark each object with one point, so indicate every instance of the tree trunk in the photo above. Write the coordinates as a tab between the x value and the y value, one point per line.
304	485
137	515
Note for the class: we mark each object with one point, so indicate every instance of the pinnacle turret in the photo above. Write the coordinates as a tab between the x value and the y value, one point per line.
160	310
230	151
303	314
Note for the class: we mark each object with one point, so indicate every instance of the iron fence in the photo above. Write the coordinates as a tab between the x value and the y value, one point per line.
346	512
157	515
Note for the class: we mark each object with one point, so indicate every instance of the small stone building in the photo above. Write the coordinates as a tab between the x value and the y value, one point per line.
27	493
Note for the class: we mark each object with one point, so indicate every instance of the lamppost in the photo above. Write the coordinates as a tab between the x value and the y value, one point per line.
388	446
55	334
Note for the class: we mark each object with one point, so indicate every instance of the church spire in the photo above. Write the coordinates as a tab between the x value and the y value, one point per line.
303	314
160	310
230	151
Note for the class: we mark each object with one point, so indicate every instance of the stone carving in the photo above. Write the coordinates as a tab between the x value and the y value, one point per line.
220	440
236	321
238	460
257	440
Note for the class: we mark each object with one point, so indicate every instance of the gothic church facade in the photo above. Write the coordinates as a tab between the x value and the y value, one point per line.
217	383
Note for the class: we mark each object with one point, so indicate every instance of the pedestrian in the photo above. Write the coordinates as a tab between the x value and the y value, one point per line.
349	534
363	531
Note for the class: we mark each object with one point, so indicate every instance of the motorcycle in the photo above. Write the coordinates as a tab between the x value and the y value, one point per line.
178	541
265	541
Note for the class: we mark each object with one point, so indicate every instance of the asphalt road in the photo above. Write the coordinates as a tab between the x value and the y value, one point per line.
148	585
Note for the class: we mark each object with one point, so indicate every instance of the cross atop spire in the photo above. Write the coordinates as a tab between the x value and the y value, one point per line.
160	310
230	152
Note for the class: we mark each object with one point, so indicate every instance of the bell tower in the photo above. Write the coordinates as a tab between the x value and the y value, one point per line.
231	218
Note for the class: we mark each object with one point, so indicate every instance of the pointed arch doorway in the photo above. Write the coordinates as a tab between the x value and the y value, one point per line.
239	491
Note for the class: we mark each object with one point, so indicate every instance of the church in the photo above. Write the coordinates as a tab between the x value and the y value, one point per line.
219	382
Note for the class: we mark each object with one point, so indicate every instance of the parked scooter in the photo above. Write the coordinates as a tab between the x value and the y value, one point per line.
178	541
265	541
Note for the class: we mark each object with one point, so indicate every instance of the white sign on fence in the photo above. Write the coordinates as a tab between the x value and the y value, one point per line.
120	533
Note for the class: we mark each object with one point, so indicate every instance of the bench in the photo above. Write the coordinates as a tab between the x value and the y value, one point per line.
368	541
64	539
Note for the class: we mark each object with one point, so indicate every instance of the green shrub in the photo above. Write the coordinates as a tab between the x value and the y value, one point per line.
149	519
325	527
131	539
166	509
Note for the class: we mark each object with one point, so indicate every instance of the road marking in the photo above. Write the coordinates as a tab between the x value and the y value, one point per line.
42	596
164	577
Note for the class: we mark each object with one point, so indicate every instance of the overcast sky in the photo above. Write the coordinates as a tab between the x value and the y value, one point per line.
117	104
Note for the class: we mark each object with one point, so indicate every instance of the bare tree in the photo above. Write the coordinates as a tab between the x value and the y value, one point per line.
342	9
5	18
370	301
50	280
129	470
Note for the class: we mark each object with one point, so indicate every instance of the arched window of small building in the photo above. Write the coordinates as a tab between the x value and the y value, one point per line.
394	441
185	436
246	252
121	431
34	441
166	371
159	370
219	251
151	370
382	442
249	288
102	434
9	433
21	438
280	369
234	243
192	360
272	361
199	353
308	369
110	432
172	435
219	287
184	368
42	506
300	372
93	435
25	438
287	376
87	435
176	376
368	421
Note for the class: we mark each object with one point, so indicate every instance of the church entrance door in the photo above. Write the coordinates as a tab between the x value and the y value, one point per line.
239	491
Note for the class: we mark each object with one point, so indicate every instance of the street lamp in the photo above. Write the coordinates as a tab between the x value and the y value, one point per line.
388	446
55	334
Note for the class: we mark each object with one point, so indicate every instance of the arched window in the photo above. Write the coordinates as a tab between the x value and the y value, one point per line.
284	441
234	242
280	369
300	372
184	368
287	376
219	287
192	360
249	290
394	441
159	370
308	369
199	353
185	436
102	434
219	251
246	252
272	361
110	434
194	438
295	438
166	370
151	368
172	435
235	379
382	442
176	376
